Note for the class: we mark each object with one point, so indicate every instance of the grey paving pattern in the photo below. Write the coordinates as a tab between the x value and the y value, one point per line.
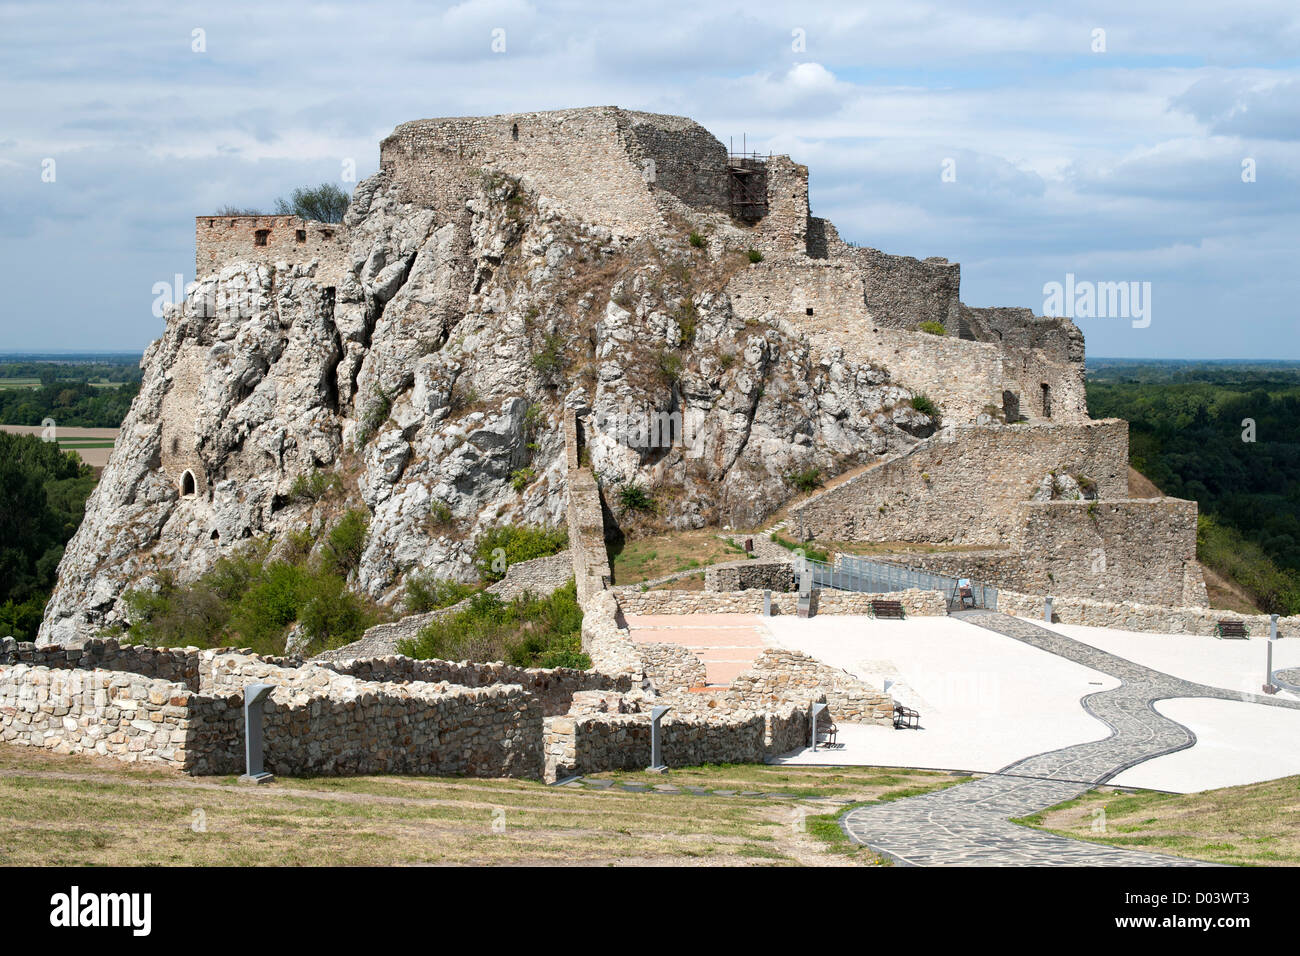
968	825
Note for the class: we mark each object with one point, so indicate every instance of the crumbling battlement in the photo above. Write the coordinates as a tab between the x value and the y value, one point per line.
219	240
601	164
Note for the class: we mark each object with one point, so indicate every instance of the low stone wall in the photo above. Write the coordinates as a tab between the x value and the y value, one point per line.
751	575
174	664
1129	616
915	602
590	743
671	667
780	675
554	688
105	712
416	728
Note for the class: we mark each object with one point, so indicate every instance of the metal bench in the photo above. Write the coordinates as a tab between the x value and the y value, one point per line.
1234	630
827	732
887	609
905	718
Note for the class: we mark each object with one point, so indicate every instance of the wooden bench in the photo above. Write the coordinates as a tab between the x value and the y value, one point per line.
1231	629
887	609
905	718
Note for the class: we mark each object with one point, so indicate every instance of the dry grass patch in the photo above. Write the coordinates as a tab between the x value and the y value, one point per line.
643	559
66	810
1253	825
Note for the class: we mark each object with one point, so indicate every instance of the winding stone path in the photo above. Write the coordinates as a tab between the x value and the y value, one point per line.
968	825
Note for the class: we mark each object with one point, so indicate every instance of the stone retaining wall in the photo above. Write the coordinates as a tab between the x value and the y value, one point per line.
671	667
746	575
595	742
1130	616
824	601
965	485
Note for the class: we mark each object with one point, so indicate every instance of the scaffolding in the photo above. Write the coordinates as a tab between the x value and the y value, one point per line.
747	177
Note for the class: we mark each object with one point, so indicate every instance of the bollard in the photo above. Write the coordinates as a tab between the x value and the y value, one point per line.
1047	610
656	758
254	697
1269	686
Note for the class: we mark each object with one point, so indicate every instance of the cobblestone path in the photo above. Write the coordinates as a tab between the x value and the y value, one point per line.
968	825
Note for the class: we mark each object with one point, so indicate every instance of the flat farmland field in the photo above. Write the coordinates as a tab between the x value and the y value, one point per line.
93	445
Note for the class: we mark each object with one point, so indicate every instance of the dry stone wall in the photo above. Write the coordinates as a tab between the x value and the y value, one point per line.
780	675
747	575
824	601
672	667
1132	616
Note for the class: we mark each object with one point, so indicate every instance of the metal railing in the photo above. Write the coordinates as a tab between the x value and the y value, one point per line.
859	574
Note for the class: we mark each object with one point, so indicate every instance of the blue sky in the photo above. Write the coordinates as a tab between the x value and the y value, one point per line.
1115	165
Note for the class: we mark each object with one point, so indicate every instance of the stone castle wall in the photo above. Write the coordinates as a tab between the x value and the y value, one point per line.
1138	550
965	485
600	165
220	240
903	292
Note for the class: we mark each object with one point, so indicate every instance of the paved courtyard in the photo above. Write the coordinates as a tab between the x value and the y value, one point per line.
726	643
969	824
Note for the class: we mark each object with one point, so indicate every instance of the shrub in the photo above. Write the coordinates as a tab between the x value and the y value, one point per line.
508	544
923	404
347	542
424	594
242	600
323	203
550	361
669	367
933	327
687	320
806	480
696	240
439	513
520	478
527	632
755	256
633	497
314	485
809	552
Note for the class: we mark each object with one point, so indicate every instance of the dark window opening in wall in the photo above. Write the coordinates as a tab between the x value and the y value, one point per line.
260	237
327	233
300	235
808	311
514	132
187	484
1047	400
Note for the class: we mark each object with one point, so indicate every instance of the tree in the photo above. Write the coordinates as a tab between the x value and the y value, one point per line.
323	203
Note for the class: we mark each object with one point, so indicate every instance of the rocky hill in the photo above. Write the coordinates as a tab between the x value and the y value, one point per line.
415	364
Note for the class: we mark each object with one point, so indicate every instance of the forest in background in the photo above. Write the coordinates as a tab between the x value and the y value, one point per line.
1226	434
